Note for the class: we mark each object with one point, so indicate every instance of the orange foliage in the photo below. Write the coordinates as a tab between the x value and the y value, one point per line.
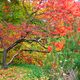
59	45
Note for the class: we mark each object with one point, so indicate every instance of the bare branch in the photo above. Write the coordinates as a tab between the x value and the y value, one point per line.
12	59
42	45
15	43
42	51
19	41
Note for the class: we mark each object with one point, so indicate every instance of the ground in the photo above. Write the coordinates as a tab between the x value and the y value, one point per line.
23	72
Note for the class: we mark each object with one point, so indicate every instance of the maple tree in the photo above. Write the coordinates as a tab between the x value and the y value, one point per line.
44	19
11	35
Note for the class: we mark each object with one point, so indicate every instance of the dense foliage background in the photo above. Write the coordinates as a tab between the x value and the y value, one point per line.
45	33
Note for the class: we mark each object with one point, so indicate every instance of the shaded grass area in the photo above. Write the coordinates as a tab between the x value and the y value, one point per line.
23	72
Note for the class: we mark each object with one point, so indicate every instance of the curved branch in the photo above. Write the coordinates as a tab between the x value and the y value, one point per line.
24	40
15	43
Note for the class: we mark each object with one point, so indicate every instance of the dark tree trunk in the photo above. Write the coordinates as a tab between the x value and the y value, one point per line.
4	64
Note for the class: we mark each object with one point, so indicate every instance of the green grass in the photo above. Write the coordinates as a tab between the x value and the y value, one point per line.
23	72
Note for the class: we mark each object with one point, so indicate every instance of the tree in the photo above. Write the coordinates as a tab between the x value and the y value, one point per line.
42	18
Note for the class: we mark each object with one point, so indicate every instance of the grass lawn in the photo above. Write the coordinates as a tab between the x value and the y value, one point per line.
23	72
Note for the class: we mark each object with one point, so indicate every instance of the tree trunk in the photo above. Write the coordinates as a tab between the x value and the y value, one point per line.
4	64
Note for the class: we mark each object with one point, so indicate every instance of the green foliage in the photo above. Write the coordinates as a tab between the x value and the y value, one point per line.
1	13
32	71
15	14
